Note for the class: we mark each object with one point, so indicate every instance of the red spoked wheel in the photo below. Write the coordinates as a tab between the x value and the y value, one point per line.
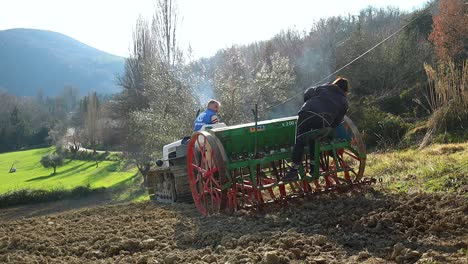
353	158
207	173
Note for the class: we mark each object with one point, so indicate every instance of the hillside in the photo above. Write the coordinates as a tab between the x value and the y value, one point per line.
411	225
373	226
33	60
31	175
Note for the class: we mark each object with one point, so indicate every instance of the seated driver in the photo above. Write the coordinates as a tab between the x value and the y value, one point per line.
209	116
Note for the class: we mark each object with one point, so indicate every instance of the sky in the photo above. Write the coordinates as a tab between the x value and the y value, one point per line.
206	25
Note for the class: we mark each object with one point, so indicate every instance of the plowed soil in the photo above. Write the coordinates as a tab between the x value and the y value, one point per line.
369	227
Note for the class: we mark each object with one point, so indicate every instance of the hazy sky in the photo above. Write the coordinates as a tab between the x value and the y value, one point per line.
208	25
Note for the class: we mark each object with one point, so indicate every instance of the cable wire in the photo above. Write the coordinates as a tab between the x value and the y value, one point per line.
355	59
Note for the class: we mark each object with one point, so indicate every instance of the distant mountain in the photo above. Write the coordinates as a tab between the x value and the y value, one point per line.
33	60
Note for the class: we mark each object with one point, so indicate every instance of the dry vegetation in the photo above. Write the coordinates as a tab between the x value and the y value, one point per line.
447	97
438	168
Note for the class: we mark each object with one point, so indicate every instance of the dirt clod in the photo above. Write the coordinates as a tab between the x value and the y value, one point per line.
209	258
320	260
272	257
363	255
171	259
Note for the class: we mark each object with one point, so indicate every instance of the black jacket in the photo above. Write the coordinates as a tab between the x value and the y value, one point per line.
327	101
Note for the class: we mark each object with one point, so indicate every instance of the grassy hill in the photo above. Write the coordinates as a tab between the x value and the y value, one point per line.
31	175
437	168
50	61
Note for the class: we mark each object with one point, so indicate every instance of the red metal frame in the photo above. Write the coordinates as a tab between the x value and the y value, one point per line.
244	195
205	186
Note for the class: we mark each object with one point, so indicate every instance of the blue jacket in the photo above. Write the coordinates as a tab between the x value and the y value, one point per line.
328	101
203	118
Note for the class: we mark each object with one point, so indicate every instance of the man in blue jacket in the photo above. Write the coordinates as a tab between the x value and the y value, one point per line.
209	116
324	106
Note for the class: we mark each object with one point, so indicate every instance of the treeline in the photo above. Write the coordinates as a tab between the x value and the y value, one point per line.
94	125
27	122
389	70
384	82
66	120
398	87
394	85
409	88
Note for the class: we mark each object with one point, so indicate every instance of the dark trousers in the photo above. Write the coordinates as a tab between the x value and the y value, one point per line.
306	122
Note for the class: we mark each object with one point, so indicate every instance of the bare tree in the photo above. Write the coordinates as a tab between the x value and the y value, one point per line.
240	86
164	27
92	129
273	76
231	82
155	99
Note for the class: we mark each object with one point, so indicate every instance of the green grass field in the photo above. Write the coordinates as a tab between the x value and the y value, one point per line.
31	175
437	168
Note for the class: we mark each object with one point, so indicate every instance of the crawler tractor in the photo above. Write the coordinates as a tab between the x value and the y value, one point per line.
228	168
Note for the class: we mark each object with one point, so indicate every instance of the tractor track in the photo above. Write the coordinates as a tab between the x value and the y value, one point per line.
370	227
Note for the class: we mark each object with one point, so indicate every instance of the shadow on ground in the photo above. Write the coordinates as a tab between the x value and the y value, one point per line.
42	209
124	191
59	173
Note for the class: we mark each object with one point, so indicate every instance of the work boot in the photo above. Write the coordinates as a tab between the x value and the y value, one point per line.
291	175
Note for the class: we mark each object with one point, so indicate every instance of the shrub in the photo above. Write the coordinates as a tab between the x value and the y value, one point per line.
415	134
52	160
381	130
28	196
87	155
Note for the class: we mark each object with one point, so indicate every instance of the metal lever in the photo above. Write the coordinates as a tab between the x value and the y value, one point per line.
255	114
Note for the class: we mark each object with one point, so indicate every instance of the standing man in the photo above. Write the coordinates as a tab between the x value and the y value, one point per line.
324	106
209	116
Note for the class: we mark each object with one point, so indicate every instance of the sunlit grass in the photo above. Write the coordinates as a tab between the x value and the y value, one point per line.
31	175
441	167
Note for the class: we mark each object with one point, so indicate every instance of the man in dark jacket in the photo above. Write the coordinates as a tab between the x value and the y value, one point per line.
324	106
